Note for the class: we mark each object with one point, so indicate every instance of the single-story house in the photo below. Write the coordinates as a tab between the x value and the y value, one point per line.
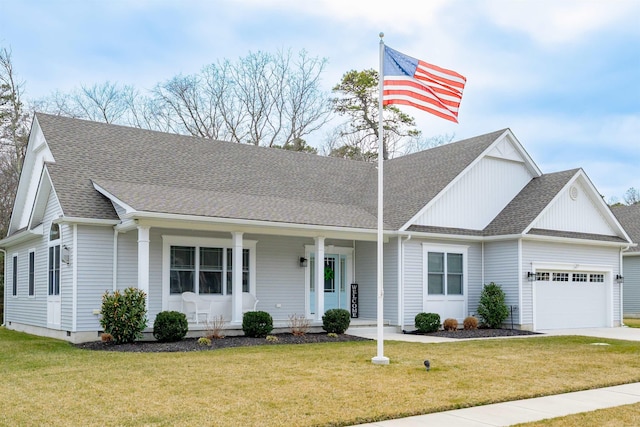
629	217
102	207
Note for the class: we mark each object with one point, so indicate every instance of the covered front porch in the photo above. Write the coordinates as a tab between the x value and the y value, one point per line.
209	271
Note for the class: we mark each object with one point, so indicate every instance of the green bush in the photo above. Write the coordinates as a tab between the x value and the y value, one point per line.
427	322
257	324
492	308
124	314
336	320
170	326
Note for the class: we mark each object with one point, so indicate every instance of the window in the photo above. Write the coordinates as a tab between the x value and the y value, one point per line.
560	277
32	273
580	277
245	270
542	276
596	278
445	273
54	270
205	270
54	260
14	276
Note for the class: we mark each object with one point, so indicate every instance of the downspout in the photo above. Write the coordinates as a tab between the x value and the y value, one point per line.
4	297
621	272
74	277
401	281
520	274
115	259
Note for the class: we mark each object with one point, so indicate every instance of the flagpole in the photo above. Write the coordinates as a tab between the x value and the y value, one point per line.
380	359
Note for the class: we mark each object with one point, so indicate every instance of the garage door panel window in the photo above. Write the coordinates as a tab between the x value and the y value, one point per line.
580	277
542	276
596	278
560	277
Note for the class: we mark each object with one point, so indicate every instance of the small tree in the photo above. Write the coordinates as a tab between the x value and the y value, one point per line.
492	308
124	314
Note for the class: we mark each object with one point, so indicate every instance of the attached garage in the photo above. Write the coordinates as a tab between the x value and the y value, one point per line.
564	299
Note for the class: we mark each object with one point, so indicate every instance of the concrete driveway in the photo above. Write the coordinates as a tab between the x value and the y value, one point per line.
622	333
391	334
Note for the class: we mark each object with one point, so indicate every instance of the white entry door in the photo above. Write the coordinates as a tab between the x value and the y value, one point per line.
54	304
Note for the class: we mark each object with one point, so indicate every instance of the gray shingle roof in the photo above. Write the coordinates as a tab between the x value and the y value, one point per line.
169	173
629	218
529	203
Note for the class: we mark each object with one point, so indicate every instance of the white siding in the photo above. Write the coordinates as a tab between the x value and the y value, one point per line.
279	277
631	287
489	186
578	215
413	275
366	273
66	279
413	280
390	282
579	256
127	275
95	273
501	267
22	308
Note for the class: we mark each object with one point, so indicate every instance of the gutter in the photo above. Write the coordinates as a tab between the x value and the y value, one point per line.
22	236
86	221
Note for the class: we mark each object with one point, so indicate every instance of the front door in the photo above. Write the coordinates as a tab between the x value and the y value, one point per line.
335	282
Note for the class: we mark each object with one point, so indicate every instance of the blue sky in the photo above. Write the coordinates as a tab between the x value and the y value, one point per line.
562	74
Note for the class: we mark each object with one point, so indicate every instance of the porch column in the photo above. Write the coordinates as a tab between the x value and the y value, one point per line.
236	266
143	260
319	274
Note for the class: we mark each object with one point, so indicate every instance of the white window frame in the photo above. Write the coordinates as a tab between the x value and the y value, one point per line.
197	243
53	244
444	249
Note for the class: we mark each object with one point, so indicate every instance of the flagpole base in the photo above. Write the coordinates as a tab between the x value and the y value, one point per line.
380	360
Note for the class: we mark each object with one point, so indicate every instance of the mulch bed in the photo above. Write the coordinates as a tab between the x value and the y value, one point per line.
191	344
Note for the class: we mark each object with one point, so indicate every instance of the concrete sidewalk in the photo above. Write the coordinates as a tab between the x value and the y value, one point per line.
522	411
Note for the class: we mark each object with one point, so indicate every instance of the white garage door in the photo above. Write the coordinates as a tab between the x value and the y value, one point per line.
571	300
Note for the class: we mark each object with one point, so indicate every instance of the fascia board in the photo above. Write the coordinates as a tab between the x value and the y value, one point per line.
22	236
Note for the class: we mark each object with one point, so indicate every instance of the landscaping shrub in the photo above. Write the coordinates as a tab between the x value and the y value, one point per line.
170	326
257	324
336	320
427	322
204	341
213	329
450	325
299	324
124	314
492	308
470	322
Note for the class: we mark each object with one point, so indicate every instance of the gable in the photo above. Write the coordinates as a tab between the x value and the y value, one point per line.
36	155
578	209
483	189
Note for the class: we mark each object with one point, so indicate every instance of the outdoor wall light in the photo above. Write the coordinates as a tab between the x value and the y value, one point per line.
531	276
65	254
619	279
303	261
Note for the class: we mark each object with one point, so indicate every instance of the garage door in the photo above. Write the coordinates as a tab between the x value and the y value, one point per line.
571	300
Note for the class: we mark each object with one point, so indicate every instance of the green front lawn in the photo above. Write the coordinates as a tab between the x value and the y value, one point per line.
48	382
626	415
632	323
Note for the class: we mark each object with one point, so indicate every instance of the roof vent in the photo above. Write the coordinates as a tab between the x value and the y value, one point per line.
573	192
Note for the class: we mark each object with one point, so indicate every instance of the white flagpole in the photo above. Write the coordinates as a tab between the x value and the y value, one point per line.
380	359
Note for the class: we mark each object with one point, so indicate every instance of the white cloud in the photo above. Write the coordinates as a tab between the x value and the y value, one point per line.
552	22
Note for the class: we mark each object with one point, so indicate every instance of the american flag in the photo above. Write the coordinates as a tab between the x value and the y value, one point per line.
410	81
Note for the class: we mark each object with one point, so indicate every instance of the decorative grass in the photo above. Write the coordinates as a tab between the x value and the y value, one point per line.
627	415
49	382
632	323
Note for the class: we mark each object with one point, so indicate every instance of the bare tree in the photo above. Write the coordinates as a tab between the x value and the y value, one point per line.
632	196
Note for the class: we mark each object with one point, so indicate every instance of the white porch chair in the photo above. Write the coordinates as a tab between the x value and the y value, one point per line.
198	306
249	302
